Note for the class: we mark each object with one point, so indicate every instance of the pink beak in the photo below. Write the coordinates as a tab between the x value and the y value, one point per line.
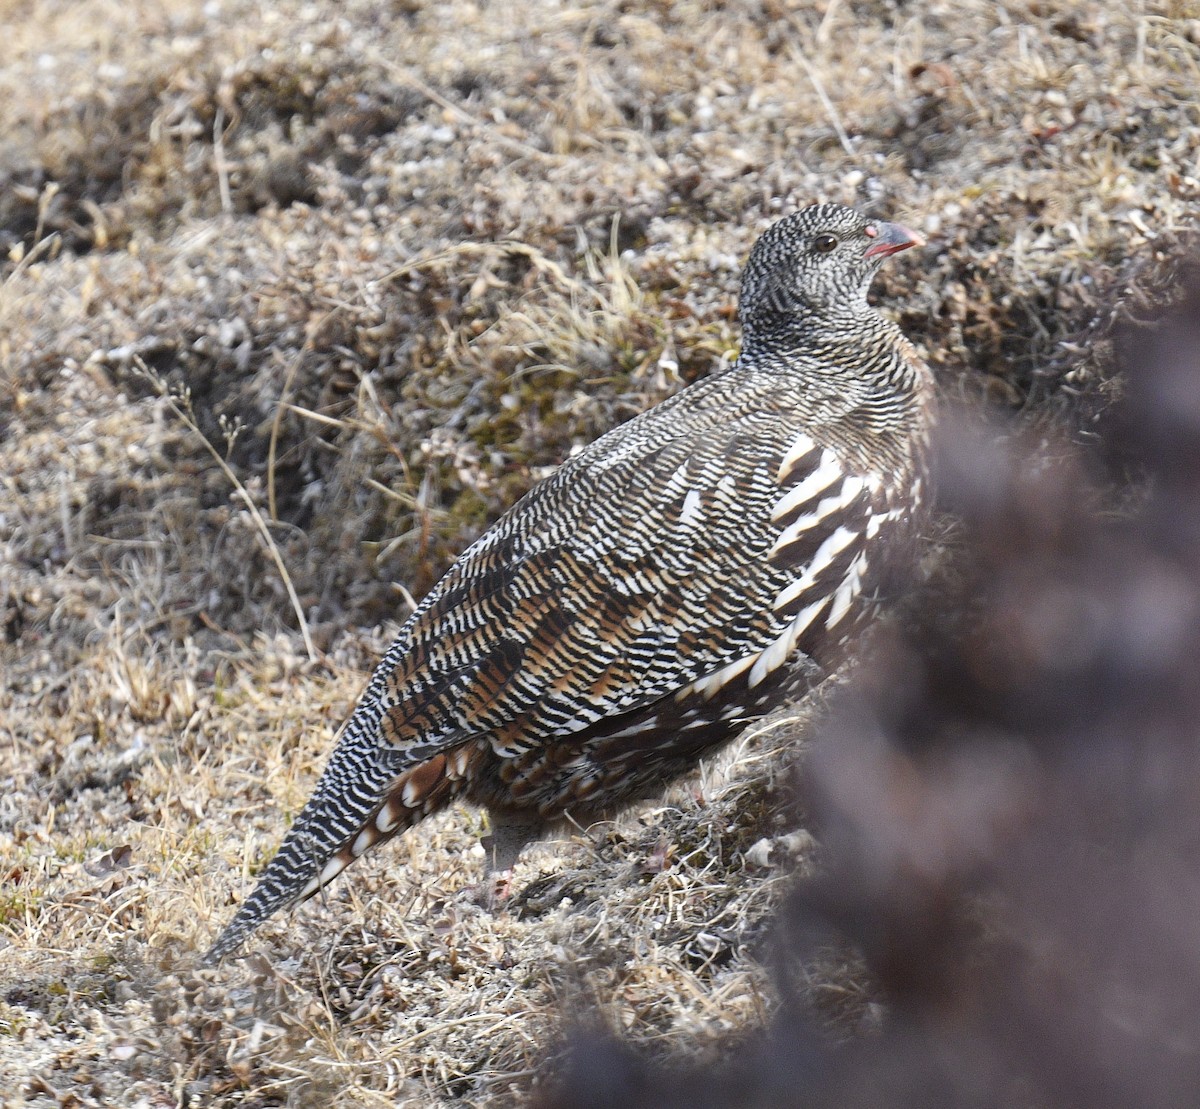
890	238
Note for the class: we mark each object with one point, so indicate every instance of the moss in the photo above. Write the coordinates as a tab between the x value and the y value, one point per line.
17	907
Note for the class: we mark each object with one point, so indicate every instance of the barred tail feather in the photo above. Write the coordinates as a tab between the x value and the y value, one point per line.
359	803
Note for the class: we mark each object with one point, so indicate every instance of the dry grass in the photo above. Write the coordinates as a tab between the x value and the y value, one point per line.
401	259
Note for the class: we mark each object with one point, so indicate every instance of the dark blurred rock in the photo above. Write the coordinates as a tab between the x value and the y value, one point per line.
1008	796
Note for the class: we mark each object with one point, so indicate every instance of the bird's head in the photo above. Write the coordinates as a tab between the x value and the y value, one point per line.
816	262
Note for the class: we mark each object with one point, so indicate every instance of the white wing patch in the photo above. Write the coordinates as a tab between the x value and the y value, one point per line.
817	504
710	683
847	591
878	519
800	450
851	487
777	653
692	513
826	553
826	473
678	481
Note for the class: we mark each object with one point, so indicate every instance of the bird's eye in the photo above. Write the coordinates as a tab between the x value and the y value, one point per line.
825	243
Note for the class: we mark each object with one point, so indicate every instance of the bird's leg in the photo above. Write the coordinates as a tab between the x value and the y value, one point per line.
508	838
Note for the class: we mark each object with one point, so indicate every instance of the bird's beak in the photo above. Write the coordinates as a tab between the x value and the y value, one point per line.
890	238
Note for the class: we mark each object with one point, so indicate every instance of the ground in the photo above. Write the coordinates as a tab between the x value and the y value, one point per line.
296	299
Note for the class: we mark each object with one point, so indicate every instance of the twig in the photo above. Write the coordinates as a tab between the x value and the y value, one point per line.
264	531
40	245
276	422
824	32
219	161
826	103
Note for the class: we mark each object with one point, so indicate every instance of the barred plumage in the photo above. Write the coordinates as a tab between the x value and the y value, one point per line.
668	584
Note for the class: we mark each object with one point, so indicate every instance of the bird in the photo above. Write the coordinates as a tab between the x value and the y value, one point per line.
671	582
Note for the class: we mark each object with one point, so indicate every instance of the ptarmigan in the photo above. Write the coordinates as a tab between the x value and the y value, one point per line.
668	584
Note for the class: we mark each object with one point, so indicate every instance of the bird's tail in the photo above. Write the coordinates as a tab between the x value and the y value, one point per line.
358	804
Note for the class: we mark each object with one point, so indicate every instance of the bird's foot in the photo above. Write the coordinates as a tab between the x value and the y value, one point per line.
496	889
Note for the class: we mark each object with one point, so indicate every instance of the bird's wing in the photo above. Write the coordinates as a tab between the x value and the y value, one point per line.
635	572
701	545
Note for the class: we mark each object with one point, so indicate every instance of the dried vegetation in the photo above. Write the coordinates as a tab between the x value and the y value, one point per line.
325	288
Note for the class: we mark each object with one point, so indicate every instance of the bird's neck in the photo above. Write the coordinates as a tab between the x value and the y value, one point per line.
857	374
855	344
